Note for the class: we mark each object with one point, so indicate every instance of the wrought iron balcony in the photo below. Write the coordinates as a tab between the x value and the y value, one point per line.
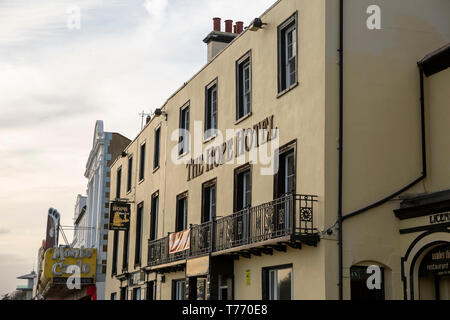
289	219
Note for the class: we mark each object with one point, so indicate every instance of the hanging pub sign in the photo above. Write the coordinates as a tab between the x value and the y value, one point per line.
119	216
436	262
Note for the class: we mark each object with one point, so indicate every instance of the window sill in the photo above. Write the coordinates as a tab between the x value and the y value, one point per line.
243	118
141	181
282	93
181	156
155	169
205	141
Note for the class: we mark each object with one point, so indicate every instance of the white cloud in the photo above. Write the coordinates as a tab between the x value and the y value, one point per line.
128	56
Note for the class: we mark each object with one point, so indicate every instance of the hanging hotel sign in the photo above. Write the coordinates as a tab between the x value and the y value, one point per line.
119	216
59	263
436	262
179	242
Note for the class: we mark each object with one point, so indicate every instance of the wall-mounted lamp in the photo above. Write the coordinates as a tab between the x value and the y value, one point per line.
159	112
257	24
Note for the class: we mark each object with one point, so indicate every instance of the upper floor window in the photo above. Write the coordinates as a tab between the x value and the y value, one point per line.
287	54
130	173
211	110
183	145
118	182
138	246
209	201
142	163
157	148
181	218
244	86
242	188
115	250
154	217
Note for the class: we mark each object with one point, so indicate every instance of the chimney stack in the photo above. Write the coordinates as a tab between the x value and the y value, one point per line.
217	24
229	26
239	27
217	40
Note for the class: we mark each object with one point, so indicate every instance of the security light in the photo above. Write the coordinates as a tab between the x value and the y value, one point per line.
159	112
257	24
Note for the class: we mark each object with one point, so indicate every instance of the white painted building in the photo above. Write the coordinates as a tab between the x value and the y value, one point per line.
91	226
80	225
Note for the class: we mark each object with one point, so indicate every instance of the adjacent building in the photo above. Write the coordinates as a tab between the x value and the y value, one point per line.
309	153
91	211
80	223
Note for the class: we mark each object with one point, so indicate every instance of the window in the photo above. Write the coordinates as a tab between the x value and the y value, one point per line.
115	249
209	201
114	296
142	163
358	285
181	219
130	174
277	283
137	294
119	182
287	54
157	148
179	289
154	217
138	247
243	188
285	178
183	144
211	110
150	291
125	249
244	86
123	293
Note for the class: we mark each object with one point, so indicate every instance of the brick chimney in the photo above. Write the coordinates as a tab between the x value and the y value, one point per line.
218	40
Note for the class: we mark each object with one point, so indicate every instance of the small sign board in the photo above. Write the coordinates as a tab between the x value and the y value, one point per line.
436	262
119	216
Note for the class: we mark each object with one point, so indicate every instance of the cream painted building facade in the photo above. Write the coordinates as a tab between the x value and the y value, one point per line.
240	225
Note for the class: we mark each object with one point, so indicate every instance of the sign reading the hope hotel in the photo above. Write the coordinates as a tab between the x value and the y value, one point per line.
245	140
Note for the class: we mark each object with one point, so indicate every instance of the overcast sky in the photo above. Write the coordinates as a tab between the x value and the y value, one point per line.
55	82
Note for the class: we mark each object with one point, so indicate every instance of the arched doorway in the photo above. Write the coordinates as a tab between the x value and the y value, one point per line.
434	274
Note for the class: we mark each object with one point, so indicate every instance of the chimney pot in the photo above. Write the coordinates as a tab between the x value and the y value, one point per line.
217	24
229	26
239	27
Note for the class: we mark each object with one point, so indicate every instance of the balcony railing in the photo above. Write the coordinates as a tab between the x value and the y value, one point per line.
290	216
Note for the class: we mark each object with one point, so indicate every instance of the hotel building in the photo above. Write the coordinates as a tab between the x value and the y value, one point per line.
316	160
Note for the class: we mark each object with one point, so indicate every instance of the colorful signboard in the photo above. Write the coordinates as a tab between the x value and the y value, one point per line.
119	216
179	242
59	262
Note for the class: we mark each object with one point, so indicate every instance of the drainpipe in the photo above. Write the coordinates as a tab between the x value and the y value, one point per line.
423	175
341	137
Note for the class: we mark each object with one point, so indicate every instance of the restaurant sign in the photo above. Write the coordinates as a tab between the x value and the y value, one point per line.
59	263
179	242
119	216
436	262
